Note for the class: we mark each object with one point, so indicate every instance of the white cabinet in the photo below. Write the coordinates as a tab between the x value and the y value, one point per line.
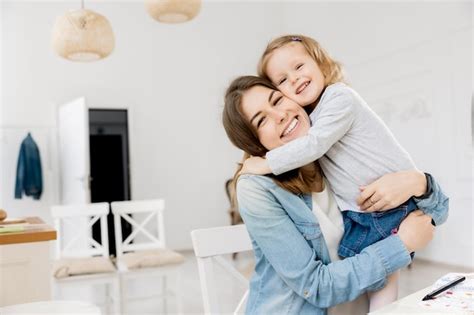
25	265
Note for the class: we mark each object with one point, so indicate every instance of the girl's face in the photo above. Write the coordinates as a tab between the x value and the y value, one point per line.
276	118
295	73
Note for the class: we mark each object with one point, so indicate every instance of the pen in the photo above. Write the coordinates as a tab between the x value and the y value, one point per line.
448	285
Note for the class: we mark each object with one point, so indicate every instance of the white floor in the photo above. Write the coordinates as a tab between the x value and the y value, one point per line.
420	275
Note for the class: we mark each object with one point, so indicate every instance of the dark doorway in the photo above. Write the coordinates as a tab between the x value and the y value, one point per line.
109	164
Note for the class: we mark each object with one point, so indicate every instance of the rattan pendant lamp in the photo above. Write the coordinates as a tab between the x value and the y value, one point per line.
173	11
83	35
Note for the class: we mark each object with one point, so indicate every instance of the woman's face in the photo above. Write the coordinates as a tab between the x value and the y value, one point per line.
276	118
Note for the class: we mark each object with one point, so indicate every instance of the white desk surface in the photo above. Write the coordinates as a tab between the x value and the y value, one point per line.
409	305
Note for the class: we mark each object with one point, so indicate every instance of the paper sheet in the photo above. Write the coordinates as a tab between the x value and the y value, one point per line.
458	299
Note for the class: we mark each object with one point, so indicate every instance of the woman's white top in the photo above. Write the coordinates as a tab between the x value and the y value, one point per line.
330	220
332	226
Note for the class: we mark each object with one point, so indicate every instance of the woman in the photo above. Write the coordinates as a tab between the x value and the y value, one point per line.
293	251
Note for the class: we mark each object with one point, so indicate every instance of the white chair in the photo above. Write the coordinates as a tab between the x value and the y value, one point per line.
143	253
79	258
209	246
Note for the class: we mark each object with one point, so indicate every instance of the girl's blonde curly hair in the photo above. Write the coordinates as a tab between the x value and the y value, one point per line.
331	69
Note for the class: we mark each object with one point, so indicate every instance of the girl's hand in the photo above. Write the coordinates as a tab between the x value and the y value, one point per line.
255	165
416	231
391	190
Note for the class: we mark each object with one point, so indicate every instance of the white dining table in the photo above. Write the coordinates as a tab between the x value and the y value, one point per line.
411	305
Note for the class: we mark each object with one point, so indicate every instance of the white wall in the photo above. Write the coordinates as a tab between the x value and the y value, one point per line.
412	62
173	78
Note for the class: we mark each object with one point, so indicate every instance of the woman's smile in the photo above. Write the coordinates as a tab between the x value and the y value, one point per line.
291	127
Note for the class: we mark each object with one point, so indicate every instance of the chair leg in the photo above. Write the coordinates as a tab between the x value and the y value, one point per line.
178	291
122	283
108	298
164	292
56	291
114	297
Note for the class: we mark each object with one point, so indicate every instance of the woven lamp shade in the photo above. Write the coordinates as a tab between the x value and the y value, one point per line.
173	11
83	35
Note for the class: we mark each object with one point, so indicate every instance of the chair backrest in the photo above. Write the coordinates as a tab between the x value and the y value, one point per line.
76	240
147	223
209	246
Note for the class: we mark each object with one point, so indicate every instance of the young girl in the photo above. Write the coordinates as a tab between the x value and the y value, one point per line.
353	145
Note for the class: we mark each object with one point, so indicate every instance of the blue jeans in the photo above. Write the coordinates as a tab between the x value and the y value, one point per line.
364	229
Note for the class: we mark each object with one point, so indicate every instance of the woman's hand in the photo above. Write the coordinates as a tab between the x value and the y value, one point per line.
391	190
416	231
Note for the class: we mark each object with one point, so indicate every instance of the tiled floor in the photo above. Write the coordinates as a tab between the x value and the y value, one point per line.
420	275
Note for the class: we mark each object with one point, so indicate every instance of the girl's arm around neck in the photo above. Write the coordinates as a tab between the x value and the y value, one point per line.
333	120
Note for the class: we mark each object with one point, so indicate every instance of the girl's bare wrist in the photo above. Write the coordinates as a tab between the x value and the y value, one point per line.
420	183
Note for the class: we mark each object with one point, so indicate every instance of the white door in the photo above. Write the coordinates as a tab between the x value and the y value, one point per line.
73	127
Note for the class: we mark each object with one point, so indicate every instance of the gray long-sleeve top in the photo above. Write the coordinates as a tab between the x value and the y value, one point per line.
353	145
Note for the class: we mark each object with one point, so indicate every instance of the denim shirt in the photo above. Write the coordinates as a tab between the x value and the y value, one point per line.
293	272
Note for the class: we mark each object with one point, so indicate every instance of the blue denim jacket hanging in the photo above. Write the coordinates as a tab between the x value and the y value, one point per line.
29	177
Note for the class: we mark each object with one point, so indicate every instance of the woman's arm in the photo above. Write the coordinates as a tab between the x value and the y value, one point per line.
391	190
298	264
416	230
